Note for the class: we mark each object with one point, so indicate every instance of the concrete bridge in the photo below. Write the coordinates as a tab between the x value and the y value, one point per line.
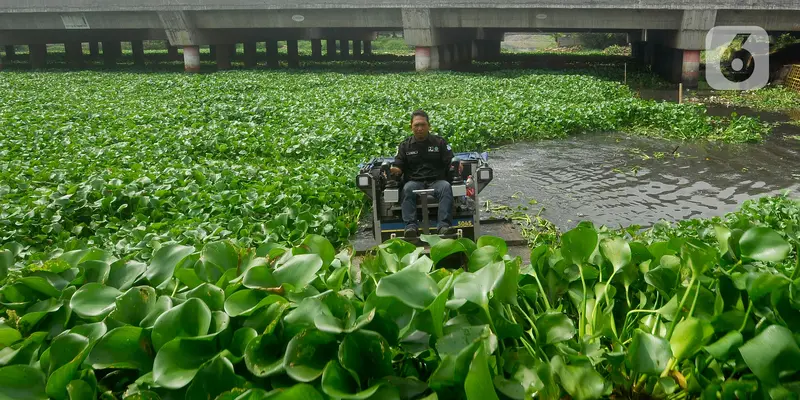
667	34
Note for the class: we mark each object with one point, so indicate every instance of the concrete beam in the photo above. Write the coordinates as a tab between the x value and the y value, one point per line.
788	20
90	21
541	18
380	19
76	35
72	6
695	25
418	28
180	29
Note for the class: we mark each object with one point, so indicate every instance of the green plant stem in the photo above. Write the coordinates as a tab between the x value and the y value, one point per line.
670	365
738	263
694	302
605	295
628	315
500	345
582	311
796	264
530	321
746	315
541	289
680	308
627	297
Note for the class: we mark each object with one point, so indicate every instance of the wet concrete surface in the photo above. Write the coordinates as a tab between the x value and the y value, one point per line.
617	179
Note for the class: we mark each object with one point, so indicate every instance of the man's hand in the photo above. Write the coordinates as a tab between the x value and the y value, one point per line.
396	171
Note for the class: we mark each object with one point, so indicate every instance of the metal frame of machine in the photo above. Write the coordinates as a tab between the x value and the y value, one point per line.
373	180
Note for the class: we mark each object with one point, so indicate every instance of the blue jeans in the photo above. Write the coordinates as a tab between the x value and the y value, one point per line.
441	191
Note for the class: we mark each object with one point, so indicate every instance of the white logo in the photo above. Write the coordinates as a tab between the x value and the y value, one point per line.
433	149
749	66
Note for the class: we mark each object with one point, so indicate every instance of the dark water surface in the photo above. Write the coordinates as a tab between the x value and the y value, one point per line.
617	179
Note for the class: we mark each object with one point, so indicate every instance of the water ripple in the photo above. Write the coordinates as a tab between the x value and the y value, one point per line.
617	180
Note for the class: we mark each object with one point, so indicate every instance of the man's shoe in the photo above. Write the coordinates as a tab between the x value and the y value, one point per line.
410	232
445	230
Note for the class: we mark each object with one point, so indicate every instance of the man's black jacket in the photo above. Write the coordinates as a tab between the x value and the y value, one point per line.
425	161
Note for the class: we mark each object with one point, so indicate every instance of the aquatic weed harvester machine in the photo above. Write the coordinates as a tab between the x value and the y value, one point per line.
470	174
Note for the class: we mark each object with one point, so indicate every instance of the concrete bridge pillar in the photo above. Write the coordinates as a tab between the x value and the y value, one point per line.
486	50
426	58
637	51
316	49
331	49
293	54
435	48
466	51
74	54
172	52
191	58
38	55
357	49
272	53
690	69
137	47
676	54
223	56
250	54
344	49
94	49
10	52
111	52
367	48
232	51
181	30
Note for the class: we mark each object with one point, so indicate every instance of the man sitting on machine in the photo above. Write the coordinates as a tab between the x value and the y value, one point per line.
424	161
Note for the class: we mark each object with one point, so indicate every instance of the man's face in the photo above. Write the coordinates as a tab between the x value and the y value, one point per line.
420	127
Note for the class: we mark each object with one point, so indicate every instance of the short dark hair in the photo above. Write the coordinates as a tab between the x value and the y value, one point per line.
420	113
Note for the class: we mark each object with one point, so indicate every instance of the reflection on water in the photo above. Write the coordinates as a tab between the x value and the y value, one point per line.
616	179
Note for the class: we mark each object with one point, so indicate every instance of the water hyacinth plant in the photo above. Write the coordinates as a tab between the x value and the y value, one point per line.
599	314
125	161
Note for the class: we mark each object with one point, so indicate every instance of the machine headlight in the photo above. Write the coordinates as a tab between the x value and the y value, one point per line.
363	181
